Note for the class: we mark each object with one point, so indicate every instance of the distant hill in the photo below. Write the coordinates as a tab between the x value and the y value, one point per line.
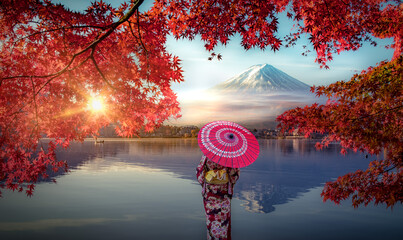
262	78
253	98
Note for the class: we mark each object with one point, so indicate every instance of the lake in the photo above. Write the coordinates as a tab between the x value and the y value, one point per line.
146	189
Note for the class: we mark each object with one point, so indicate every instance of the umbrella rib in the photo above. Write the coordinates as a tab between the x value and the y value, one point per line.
250	160
254	146
212	140
219	159
254	155
232	148
243	160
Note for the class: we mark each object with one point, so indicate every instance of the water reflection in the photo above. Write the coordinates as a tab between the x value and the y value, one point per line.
288	168
284	170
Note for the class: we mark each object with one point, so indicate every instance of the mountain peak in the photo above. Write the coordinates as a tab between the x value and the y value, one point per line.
259	67
262	78
263	65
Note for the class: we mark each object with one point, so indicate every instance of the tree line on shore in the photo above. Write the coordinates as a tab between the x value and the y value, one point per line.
191	131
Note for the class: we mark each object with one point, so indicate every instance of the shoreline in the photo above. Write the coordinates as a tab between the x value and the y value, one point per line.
111	139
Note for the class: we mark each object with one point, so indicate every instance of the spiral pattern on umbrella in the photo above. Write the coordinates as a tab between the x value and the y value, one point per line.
228	144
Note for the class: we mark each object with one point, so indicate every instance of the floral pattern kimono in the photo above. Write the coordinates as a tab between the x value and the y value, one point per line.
217	199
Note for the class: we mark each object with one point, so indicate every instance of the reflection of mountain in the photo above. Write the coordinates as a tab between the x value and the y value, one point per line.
284	170
287	168
260	197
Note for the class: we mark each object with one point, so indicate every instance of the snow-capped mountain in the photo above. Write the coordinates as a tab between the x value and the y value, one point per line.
262	78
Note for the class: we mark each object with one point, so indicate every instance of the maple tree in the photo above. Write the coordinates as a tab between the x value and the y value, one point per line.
54	60
364	114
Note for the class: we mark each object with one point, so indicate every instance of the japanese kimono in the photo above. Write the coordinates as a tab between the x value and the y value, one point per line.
217	199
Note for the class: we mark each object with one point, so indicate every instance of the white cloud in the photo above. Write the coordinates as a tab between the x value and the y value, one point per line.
200	107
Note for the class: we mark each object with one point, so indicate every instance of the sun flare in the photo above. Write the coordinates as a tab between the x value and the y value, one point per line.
96	105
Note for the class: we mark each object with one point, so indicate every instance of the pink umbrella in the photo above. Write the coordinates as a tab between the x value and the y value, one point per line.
228	144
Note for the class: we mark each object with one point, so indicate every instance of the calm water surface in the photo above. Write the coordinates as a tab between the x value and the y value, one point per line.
146	189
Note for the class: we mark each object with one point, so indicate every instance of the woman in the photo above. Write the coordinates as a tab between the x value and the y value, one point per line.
218	184
229	146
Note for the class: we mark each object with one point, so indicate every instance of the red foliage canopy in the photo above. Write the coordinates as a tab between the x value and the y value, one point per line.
364	114
332	25
53	61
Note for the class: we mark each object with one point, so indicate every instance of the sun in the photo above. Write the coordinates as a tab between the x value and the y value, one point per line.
96	105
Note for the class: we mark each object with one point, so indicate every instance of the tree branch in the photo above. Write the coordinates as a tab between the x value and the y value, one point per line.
139	38
377	113
58	29
99	70
113	27
116	24
138	30
36	109
330	15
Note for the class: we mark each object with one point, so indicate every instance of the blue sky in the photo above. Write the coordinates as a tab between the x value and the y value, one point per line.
202	74
199	106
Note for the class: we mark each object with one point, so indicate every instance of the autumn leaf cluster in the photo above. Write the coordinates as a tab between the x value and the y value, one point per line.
364	114
54	62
